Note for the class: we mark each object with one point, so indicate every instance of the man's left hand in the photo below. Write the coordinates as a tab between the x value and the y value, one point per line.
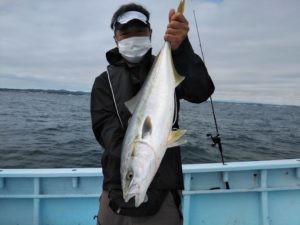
177	29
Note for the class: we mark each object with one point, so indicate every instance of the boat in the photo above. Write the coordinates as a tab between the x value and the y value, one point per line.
237	193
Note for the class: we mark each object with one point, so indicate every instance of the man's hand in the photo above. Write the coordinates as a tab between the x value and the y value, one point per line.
177	29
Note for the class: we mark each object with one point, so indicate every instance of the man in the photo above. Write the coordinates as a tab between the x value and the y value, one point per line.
129	64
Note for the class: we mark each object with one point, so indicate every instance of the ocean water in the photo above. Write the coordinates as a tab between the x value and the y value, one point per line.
49	129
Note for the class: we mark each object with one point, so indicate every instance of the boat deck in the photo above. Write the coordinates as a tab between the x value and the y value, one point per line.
239	193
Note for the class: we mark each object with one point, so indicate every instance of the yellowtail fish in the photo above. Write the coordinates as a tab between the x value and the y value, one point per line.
149	131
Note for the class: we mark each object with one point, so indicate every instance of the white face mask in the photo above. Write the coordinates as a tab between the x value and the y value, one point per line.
133	49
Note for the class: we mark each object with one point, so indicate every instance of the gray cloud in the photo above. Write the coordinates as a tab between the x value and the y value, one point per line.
252	48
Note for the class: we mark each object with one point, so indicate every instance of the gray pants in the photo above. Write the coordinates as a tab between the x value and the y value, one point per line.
168	214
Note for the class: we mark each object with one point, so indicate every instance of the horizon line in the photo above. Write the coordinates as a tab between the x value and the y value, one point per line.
64	91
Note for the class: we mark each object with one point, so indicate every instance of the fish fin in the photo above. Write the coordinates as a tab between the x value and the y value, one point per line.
147	127
178	77
177	143
174	137
146	198
181	6
132	103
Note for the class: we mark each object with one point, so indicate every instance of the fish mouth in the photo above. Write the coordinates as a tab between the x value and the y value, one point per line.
127	197
135	192
139	198
128	194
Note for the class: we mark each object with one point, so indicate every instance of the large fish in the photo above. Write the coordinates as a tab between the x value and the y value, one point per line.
149	131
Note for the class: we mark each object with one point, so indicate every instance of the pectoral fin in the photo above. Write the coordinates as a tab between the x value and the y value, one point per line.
147	127
132	103
174	138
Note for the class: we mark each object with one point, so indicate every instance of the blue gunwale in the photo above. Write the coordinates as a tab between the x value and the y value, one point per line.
187	168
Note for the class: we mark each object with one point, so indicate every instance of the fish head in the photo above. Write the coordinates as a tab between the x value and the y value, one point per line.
139	172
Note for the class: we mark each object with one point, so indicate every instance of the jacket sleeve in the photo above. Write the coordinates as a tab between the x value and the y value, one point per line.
105	123
197	85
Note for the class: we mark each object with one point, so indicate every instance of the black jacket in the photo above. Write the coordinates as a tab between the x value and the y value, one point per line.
125	83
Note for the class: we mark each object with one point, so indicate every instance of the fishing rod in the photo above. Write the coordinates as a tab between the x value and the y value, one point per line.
216	139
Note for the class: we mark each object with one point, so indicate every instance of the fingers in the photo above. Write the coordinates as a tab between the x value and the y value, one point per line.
171	13
176	34
177	16
177	28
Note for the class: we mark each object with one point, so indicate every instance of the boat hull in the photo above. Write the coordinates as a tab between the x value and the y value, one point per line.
246	193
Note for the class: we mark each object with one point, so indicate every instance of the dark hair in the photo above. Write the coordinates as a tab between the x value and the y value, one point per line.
126	8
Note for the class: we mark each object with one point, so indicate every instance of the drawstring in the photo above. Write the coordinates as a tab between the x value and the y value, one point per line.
115	103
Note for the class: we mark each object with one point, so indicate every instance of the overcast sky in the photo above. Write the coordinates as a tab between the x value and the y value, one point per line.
251	48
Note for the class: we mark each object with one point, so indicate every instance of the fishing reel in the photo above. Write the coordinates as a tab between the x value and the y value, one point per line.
217	141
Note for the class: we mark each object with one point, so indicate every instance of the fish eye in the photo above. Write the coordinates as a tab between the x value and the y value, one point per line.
129	175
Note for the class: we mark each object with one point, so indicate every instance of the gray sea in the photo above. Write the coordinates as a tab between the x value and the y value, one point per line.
52	129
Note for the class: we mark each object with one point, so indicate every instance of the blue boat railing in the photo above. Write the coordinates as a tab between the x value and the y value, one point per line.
238	193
